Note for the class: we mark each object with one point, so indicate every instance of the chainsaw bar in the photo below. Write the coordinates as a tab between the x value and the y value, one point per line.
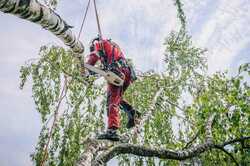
111	77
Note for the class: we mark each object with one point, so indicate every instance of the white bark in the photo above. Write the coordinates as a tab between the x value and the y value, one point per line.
37	13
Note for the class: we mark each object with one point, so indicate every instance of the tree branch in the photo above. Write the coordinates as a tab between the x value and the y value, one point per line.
37	13
140	150
144	151
149	152
93	146
192	140
208	129
235	141
174	104
229	154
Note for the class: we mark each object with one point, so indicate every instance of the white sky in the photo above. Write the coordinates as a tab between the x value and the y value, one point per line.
138	26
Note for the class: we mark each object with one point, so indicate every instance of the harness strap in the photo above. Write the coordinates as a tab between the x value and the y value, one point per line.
119	63
114	64
113	54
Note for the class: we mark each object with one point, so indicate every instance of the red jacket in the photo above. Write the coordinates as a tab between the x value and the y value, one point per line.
109	48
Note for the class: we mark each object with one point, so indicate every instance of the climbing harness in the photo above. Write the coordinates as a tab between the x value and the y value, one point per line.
109	73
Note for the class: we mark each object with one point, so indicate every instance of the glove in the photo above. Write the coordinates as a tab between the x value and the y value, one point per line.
89	73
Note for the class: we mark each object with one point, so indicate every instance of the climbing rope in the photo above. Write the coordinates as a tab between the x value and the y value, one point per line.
98	25
84	19
97	20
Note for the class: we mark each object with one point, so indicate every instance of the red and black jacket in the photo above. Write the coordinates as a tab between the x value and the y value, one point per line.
108	53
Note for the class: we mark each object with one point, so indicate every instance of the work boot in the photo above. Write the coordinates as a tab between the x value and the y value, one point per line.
132	115
111	134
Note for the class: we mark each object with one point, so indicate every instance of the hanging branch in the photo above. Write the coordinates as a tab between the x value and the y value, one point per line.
229	154
60	99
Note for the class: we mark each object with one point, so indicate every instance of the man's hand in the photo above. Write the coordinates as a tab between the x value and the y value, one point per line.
86	73
89	73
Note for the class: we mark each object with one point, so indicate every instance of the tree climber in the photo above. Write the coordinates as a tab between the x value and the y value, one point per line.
113	59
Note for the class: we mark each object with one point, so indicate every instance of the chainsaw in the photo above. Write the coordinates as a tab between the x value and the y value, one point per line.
110	76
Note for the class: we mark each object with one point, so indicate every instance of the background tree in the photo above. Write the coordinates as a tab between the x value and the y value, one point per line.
212	130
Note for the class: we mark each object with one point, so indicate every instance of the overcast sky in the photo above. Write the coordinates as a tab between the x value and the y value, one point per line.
139	26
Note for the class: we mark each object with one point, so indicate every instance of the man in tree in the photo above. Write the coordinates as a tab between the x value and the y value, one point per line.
112	58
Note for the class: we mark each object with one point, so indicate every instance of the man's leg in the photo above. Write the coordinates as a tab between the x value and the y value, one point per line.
125	105
127	82
114	98
131	112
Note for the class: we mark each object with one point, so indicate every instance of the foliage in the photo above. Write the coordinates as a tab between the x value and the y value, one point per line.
77	107
230	98
180	14
75	113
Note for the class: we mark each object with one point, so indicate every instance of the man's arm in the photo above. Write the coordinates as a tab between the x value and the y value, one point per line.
93	58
